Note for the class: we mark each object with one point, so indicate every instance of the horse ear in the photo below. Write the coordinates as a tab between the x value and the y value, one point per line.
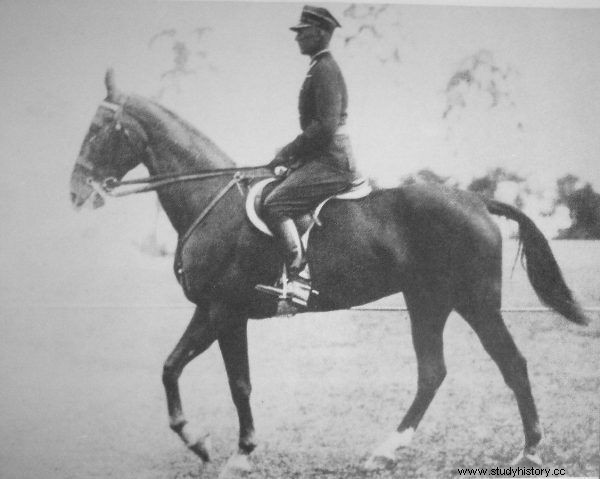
111	87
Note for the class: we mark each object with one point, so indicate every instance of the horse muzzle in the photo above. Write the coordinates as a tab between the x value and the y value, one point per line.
85	191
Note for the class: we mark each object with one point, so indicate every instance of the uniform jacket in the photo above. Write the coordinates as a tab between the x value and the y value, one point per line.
322	107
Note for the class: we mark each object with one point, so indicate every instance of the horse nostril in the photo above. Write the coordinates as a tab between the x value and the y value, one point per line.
73	197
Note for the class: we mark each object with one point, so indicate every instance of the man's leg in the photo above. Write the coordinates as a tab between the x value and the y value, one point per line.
294	288
301	191
286	231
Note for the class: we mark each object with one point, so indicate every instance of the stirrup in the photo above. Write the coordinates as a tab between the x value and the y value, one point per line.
296	291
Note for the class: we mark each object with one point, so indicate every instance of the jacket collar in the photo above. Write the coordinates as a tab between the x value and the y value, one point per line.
315	57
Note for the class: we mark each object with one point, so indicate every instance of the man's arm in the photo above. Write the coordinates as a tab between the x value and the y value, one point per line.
328	100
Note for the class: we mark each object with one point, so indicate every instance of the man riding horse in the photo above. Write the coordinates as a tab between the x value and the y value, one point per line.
318	163
438	246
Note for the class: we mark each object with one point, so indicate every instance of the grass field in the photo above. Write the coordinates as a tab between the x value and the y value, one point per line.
82	397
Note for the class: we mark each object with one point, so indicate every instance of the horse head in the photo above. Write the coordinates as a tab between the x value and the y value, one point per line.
114	144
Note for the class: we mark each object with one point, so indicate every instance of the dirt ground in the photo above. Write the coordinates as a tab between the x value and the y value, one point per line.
82	397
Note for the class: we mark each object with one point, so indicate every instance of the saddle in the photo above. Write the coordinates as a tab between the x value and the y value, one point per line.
359	188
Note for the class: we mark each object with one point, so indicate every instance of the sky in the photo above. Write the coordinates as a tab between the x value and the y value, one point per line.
244	86
244	92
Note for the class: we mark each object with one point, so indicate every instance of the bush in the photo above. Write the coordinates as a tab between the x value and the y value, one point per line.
584	209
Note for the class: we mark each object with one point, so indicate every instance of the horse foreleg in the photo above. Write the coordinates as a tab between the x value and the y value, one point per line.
428	319
198	336
234	349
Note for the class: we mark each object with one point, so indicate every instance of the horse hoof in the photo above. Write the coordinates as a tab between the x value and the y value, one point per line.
378	463
527	460
201	447
286	308
384	456
236	466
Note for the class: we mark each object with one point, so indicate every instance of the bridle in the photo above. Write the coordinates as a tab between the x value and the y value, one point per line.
115	188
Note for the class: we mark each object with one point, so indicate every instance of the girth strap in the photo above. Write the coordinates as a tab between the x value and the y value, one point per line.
183	239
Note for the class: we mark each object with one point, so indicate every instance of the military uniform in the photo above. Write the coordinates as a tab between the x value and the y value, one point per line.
321	156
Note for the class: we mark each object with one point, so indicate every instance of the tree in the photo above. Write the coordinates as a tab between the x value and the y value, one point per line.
480	106
479	78
487	185
376	27
427	176
584	208
566	186
186	55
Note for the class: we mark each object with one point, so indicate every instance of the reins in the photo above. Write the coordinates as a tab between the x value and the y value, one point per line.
154	182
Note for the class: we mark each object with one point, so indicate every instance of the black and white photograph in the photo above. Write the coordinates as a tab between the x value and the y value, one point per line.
323	240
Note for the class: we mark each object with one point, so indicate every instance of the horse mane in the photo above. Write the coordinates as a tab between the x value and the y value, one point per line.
170	130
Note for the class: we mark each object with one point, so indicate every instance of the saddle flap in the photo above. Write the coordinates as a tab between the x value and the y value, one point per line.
360	188
254	202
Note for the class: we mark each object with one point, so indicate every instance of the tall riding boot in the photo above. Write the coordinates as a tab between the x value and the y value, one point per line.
295	289
289	237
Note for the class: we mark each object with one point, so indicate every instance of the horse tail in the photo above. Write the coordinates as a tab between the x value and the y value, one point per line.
543	271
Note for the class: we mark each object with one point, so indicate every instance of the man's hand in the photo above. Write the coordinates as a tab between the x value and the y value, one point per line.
281	171
284	155
277	161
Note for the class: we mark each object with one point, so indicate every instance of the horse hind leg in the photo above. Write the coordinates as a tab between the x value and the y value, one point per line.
488	324
428	315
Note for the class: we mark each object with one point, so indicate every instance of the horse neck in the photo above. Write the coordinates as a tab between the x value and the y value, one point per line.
176	147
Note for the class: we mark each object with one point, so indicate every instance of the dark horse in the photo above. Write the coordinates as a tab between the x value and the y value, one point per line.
438	246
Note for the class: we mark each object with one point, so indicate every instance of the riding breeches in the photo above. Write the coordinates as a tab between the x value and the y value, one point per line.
304	189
